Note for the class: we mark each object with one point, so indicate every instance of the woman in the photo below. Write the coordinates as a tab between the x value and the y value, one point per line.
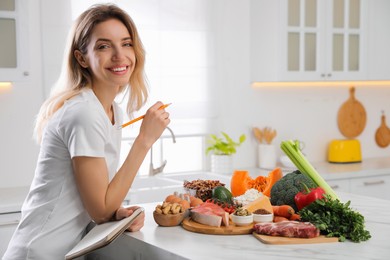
76	178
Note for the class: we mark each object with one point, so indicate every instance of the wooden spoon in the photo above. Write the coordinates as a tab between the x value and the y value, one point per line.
351	117
258	134
382	134
269	134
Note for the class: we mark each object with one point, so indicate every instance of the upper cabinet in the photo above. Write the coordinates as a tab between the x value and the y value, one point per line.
318	40
14	40
323	40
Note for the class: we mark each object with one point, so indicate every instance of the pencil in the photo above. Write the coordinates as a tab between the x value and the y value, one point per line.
141	117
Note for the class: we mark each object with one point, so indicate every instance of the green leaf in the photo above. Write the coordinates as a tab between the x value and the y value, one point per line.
223	146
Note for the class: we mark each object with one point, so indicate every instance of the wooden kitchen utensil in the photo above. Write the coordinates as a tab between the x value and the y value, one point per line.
269	134
351	117
258	134
382	134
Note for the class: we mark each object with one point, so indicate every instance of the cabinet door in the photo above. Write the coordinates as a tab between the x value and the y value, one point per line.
378	40
345	37
14	39
323	40
378	186
8	224
339	185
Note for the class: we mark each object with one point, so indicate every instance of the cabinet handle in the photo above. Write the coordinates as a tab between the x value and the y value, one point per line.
14	222
323	75
329	75
335	186
368	183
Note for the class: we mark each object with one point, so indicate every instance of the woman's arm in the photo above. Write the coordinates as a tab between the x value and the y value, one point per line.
101	197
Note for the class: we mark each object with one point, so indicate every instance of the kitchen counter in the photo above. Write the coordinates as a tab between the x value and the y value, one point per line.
333	171
11	199
367	168
155	242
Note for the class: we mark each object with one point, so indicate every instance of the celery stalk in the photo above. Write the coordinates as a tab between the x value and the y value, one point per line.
291	149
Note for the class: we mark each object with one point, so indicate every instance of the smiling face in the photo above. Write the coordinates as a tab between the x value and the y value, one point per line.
110	56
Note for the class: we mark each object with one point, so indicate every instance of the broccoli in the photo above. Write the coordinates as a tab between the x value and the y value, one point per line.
284	190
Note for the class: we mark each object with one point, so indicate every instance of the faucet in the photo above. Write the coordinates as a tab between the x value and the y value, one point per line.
153	171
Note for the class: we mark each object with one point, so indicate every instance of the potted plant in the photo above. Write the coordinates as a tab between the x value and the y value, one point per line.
222	149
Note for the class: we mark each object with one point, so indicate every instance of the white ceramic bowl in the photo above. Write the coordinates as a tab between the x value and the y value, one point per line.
242	220
263	218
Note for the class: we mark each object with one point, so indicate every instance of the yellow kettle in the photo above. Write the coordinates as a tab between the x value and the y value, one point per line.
344	151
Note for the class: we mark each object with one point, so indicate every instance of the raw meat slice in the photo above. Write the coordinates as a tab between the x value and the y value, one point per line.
209	220
206	212
288	229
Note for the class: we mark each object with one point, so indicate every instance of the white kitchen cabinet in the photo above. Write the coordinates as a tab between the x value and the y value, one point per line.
8	224
376	186
368	59
339	185
14	38
378	59
323	40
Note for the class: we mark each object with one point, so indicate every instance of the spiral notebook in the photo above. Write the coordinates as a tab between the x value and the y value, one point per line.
102	235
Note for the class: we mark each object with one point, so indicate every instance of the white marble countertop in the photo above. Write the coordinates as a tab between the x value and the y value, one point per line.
367	168
332	171
11	199
155	242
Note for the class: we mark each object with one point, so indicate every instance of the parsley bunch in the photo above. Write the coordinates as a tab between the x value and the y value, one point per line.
336	219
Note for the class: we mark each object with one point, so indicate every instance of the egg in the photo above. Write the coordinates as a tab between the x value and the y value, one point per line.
170	198
195	202
185	204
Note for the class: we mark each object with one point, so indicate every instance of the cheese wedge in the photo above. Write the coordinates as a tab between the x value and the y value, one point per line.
261	203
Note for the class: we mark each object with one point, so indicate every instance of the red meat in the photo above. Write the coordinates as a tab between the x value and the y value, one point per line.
287	229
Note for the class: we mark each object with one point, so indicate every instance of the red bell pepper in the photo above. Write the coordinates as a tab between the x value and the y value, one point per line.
304	198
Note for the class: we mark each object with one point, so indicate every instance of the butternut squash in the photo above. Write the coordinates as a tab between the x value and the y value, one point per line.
241	182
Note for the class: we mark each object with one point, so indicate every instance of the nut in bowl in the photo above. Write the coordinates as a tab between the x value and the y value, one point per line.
169	220
262	217
169	214
242	217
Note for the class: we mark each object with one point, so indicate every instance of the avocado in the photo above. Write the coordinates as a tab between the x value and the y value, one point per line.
223	194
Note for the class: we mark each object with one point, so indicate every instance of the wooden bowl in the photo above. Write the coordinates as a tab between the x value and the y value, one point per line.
169	220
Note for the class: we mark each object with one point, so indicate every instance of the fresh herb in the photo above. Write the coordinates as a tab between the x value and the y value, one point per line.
292	150
336	219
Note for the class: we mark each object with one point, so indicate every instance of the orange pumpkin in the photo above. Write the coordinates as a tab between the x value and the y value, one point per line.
241	182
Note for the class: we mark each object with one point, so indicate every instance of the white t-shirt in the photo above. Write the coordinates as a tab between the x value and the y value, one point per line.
53	216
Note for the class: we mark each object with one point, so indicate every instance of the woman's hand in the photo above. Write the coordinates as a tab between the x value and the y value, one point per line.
137	224
154	123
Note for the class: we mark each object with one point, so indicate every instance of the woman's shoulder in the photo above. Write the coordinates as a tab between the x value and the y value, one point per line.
82	108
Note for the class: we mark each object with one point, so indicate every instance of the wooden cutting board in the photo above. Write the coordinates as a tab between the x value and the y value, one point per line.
232	229
382	134
351	118
275	240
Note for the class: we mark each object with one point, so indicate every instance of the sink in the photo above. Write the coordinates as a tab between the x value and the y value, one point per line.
148	182
156	195
147	189
199	175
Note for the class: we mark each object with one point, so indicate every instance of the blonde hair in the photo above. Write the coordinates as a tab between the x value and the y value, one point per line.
74	78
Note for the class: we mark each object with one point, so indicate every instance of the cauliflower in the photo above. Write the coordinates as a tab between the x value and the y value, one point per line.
284	190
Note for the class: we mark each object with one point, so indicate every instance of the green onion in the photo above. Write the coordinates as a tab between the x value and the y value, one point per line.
291	149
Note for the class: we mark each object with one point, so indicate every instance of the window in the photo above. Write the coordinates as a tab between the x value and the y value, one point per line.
179	39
